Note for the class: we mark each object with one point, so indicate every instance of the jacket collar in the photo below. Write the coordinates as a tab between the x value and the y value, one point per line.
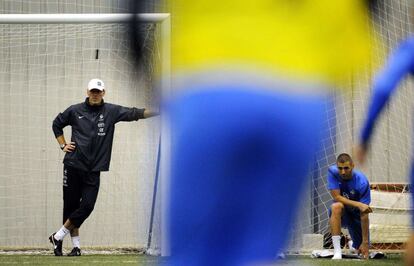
93	107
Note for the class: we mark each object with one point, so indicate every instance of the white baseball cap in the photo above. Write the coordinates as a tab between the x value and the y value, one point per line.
96	84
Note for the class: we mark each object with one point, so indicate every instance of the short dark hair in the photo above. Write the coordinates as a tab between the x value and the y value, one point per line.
343	158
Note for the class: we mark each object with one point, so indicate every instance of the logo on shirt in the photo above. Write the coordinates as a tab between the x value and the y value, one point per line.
65	178
81	116
101	129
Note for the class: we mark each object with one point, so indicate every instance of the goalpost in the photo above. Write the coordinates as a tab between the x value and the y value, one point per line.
46	61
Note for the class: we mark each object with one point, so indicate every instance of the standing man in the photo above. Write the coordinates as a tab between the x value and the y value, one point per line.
352	196
87	154
399	66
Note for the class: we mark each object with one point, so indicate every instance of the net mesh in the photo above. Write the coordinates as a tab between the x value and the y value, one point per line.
43	70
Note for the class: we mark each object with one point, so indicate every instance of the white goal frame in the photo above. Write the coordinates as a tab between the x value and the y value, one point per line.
164	20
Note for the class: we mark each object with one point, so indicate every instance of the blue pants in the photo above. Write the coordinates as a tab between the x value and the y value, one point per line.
240	159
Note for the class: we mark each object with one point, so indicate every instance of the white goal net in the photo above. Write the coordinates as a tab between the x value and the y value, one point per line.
45	68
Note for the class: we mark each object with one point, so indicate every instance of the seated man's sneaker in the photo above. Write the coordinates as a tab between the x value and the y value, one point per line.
353	250
57	245
75	252
337	256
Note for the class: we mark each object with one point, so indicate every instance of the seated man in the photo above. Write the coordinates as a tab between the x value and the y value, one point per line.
352	196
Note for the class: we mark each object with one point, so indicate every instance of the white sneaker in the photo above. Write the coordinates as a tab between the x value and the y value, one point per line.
351	248
337	256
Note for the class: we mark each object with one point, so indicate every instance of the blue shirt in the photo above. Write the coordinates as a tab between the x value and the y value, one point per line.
356	189
399	65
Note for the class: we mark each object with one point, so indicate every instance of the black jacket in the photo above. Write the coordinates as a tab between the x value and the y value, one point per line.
93	132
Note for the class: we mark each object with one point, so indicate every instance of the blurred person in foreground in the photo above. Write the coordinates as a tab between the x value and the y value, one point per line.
252	81
400	65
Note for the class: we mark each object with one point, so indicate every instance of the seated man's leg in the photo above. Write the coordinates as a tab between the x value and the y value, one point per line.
336	213
353	223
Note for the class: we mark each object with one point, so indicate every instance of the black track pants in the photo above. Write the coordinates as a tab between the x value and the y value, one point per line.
80	191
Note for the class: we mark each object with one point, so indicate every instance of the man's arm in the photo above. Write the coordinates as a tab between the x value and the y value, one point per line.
364	247
61	140
61	121
363	208
148	113
128	114
386	82
69	147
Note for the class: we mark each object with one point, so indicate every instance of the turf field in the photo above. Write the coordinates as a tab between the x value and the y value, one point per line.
152	261
82	260
391	260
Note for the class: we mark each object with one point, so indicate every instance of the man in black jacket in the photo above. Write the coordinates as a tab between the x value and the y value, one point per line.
87	154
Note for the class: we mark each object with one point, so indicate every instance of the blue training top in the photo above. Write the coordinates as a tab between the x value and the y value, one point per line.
400	63
356	189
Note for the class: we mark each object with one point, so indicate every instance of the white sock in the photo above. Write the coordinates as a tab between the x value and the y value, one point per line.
351	248
63	231
76	241
336	241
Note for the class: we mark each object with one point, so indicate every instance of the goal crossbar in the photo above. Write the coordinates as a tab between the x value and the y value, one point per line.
81	18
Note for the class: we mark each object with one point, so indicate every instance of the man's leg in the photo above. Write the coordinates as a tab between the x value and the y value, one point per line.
89	194
335	220
71	201
74	234
72	194
355	231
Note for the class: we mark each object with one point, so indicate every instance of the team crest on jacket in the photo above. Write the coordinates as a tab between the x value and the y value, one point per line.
101	126
101	129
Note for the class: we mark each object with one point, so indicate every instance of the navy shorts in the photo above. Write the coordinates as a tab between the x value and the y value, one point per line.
351	219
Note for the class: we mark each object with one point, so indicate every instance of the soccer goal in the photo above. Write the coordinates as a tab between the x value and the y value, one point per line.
388	166
46	61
